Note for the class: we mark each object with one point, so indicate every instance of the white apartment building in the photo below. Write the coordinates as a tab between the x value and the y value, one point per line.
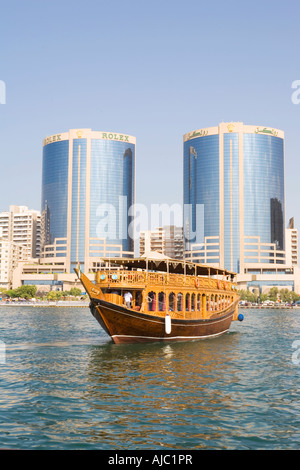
11	254
23	226
167	240
291	244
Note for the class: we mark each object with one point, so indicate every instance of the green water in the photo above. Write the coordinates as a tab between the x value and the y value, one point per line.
64	385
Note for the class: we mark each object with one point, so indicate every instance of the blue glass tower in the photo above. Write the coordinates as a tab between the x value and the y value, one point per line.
88	186
234	196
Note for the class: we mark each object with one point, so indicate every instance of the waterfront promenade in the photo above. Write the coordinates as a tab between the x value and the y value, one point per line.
46	303
279	306
85	303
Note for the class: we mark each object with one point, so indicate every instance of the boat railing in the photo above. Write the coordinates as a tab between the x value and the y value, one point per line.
129	279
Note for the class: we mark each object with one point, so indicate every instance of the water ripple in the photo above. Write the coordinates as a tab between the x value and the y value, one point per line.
66	386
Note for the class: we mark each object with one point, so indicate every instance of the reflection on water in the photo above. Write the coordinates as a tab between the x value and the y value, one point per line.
170	387
66	385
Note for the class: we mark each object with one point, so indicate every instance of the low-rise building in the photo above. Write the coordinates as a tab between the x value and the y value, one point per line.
262	278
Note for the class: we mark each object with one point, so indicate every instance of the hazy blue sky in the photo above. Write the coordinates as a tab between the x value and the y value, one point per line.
155	70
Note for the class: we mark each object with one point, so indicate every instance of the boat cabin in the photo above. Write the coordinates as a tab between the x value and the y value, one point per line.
156	287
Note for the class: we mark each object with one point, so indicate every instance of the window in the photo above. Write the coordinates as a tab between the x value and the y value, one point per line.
187	302
151	301
198	302
172	301
179	302
161	302
193	297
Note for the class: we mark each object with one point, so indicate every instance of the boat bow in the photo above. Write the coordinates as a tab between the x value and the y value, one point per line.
91	290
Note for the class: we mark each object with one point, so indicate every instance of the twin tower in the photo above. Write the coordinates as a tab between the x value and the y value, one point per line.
233	196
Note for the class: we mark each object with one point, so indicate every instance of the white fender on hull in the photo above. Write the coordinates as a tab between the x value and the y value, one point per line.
168	324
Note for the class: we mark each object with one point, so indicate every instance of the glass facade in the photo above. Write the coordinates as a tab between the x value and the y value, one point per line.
111	193
55	190
264	188
201	189
88	186
78	201
237	177
231	201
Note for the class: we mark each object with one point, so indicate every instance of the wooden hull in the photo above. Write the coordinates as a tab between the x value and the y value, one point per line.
128	326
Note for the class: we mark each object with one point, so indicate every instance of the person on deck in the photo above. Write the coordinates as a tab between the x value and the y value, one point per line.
128	299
